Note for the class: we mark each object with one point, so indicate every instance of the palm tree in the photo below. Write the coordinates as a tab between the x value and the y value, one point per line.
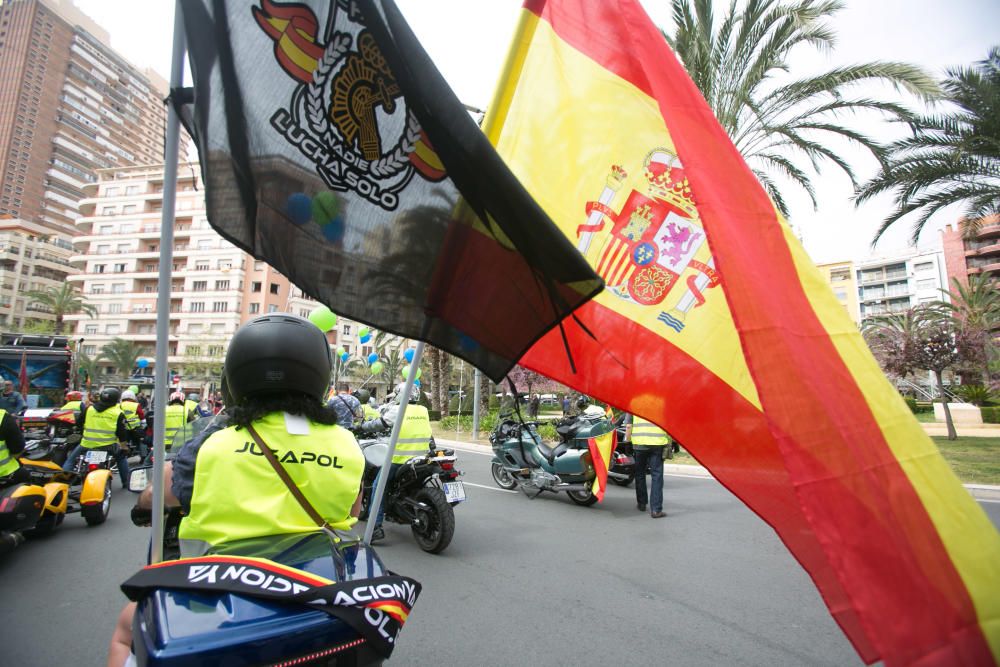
61	301
122	354
736	63
977	307
86	369
954	156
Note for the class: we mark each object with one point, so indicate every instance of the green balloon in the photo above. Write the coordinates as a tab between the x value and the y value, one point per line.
362	332
323	318
377	367
325	207
340	351
134	389
406	372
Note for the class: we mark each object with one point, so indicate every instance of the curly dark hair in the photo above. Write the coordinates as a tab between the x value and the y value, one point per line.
253	408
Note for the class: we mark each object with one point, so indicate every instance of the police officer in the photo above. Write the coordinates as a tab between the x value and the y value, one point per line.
414	440
648	443
367	406
74	401
11	444
133	419
175	417
104	426
277	370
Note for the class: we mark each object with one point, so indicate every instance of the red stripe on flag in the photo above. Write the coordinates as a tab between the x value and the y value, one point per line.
862	507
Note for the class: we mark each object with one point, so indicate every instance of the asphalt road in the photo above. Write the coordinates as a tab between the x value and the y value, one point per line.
524	582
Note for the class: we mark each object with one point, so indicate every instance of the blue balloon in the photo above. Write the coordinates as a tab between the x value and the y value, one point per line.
142	363
333	231
345	356
408	355
299	208
372	358
365	338
416	383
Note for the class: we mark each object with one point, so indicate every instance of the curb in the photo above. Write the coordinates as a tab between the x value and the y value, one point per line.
985	492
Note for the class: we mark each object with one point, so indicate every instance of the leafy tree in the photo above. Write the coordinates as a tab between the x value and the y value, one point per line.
205	364
61	301
953	157
925	337
977	307
86	368
736	61
122	354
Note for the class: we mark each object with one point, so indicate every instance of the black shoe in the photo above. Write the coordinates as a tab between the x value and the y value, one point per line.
378	535
641	507
658	515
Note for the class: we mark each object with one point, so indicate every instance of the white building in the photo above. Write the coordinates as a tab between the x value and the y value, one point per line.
32	258
896	284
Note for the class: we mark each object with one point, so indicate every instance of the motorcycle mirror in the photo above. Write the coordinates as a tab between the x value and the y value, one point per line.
139	478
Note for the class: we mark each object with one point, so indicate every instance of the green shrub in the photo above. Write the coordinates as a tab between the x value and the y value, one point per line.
486	422
925	406
976	394
435	415
547	431
912	403
990	415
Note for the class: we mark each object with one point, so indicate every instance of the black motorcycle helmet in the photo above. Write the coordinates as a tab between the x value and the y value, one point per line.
362	395
582	403
278	353
109	396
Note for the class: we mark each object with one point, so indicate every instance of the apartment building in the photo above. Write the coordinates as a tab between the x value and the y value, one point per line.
842	280
215	286
895	284
31	258
980	253
69	105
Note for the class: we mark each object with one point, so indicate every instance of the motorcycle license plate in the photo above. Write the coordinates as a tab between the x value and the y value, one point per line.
454	492
96	457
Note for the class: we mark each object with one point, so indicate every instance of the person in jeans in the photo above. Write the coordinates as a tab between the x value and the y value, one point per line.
648	444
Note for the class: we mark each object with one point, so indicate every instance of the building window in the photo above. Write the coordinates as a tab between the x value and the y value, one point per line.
272	308
194	350
220	307
201	265
199	285
215	350
218	328
90	350
118	288
124	248
196	328
114	308
132	190
90	329
129	208
105	229
258	265
346	329
255	286
97	289
274	288
99	268
198	307
926	283
112	329
221	285
119	268
204	244
111	192
923	266
254	308
303	312
108	210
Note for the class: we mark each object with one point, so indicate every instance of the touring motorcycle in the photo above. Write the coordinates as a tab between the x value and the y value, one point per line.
522	460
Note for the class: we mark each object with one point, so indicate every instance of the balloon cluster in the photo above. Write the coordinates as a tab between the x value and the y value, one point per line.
324	209
142	363
364	335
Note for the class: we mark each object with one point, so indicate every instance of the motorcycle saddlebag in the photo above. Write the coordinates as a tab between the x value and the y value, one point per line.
174	628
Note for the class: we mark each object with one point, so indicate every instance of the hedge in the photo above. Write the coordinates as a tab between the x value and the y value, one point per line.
990	415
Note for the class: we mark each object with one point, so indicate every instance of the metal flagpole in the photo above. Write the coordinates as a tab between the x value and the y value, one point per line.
163	286
475	403
461	390
404	399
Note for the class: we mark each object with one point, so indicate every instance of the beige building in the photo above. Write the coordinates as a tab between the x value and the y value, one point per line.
69	105
215	286
841	277
31	258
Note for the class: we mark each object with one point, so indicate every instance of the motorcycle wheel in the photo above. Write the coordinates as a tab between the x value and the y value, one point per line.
623	482
502	477
584	498
95	515
438	521
45	526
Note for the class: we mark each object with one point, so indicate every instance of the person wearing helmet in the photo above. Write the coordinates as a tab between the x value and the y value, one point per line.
191	402
367	405
277	370
103	425
134	416
11	444
414	440
74	401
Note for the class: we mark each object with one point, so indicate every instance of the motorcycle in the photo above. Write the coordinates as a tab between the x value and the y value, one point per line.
622	471
87	489
422	494
522	460
30	510
174	628
53	440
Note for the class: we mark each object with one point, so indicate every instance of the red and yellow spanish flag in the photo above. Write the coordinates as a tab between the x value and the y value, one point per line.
601	448
716	326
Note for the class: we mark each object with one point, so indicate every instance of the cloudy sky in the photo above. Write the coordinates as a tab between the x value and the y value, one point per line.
468	41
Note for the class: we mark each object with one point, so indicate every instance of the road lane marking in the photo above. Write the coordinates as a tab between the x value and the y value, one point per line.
489	488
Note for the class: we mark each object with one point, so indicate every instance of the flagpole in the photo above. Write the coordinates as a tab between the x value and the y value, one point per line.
383	478
161	377
475	403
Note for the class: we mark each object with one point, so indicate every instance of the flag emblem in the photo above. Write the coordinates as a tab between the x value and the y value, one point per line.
348	115
653	240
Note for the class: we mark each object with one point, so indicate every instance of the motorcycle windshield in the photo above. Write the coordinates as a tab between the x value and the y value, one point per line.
190	430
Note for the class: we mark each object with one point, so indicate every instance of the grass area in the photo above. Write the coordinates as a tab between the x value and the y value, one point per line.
925	417
974	460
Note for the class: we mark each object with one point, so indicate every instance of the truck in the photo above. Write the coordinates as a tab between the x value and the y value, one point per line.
43	363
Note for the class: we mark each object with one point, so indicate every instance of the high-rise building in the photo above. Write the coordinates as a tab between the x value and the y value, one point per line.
31	259
69	105
895	284
979	253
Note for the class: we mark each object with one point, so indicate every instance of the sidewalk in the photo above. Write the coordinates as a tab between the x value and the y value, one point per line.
985	492
964	430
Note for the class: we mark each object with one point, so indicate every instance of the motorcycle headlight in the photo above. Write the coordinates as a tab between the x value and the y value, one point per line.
587	463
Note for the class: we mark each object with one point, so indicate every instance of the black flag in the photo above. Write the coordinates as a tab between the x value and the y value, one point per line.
333	149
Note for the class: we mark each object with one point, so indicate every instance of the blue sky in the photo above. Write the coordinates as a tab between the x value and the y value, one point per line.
468	41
